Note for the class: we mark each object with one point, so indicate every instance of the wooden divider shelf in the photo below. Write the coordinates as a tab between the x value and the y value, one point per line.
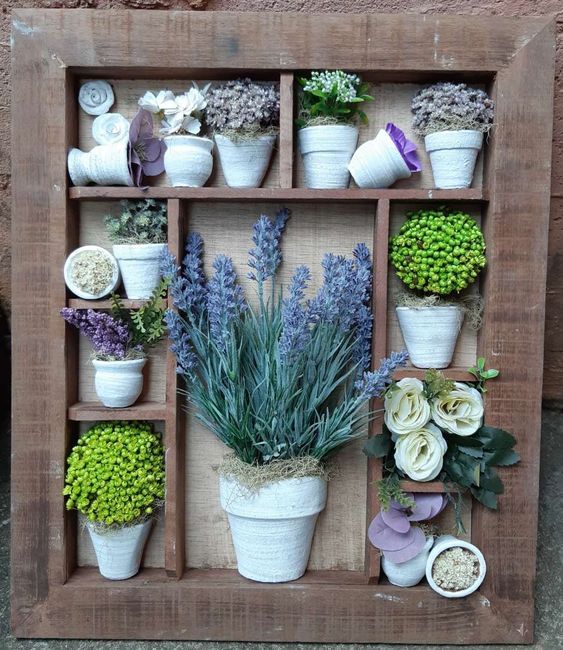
95	411
79	303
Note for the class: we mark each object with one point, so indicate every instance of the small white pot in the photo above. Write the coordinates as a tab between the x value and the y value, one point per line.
106	164
187	160
118	383
245	162
140	268
326	152
453	155
377	163
442	544
430	334
119	552
68	267
272	528
410	573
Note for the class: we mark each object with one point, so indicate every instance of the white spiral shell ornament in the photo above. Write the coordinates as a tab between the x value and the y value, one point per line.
96	97
110	128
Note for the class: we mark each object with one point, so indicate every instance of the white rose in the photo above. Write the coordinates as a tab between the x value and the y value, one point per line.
420	454
460	411
406	408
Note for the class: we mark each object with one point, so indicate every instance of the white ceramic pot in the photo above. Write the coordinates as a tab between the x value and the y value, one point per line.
140	268
377	163
272	528
410	573
245	162
119	551
76	290
187	160
106	164
430	334
453	155
326	152
118	383
442	544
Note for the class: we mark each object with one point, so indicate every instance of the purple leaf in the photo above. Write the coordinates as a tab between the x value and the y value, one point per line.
426	506
385	538
416	544
396	519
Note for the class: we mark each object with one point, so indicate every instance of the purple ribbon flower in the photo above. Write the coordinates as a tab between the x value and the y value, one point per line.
391	530
405	147
146	152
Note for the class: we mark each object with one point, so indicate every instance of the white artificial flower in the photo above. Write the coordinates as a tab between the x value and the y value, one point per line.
460	411
191	125
406	408
420	454
157	103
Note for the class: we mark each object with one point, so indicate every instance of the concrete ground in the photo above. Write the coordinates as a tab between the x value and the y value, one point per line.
549	597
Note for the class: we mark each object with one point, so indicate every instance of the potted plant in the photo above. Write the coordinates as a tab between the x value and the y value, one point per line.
91	272
120	342
437	254
188	161
402	536
283	385
330	107
138	234
455	568
452	117
115	479
378	163
244	116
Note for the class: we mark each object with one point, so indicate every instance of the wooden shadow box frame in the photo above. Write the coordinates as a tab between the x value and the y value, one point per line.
51	596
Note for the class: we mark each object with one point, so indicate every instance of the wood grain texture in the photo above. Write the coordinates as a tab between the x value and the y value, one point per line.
94	411
286	129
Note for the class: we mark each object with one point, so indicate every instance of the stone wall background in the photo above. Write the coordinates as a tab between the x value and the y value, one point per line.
553	382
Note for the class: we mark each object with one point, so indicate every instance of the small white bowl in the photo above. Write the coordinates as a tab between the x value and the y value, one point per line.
112	285
442	544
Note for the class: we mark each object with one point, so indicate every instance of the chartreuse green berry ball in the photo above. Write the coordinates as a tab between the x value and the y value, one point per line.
438	251
115	473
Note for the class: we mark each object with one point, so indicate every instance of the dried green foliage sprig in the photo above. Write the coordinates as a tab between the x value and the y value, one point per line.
139	222
481	374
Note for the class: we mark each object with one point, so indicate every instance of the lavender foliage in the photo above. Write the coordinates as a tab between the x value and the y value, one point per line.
225	301
186	359
374	384
296	318
109	337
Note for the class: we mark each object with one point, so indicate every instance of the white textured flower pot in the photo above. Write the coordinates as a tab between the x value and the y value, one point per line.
410	573
377	163
70	283
453	155
119	551
272	528
326	152
442	544
187	160
430	334
140	268
245	162
118	383
106	164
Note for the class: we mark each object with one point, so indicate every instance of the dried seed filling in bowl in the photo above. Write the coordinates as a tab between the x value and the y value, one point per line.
455	569
91	272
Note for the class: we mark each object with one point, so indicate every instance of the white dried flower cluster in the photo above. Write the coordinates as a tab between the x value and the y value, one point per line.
449	106
345	85
455	569
180	114
243	105
91	272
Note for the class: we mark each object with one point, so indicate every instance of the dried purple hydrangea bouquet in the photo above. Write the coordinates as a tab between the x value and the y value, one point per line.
244	116
283	383
452	118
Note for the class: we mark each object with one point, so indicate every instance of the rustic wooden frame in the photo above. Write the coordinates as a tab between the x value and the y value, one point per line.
53	598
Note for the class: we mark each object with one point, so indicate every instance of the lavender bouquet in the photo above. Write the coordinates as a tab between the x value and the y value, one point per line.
289	378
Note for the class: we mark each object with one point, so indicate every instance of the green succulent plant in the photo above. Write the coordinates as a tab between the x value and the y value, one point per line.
438	251
115	474
140	222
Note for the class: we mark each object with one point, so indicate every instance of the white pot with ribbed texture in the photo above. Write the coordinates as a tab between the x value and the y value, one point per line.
187	160
118	383
119	552
453	155
272	528
326	152
444	543
106	164
377	163
410	573
140	268
245	162
430	333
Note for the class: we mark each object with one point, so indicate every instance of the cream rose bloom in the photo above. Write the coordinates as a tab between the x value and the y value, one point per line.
420	454
459	412
406	408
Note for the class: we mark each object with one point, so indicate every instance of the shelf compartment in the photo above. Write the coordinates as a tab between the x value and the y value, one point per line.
95	411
